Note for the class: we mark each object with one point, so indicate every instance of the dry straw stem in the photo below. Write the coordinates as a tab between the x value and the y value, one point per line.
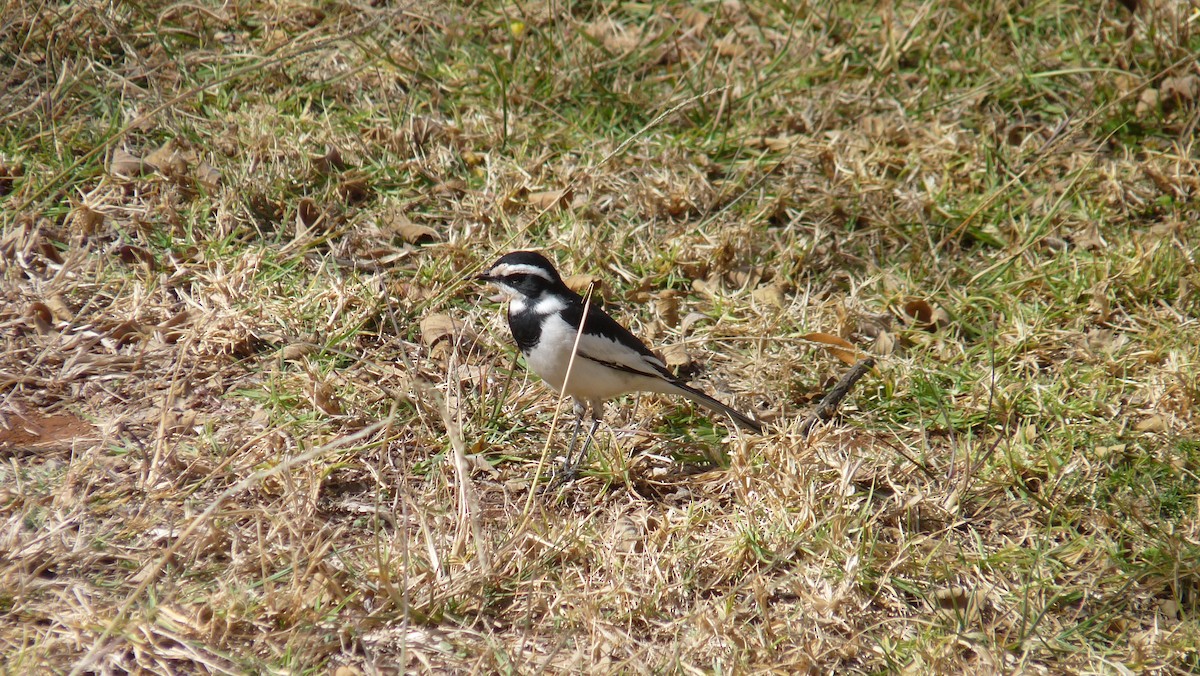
152	573
468	501
1057	137
562	397
300	46
521	232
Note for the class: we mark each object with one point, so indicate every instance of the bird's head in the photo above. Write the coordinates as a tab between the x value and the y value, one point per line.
522	274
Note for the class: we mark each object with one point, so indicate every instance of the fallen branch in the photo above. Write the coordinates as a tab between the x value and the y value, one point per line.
829	403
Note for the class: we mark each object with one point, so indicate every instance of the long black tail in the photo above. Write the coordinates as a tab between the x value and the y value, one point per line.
714	405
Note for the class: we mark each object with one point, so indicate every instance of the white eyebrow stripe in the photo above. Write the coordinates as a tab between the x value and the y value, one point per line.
507	269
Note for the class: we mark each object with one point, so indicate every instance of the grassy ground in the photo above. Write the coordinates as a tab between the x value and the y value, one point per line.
255	417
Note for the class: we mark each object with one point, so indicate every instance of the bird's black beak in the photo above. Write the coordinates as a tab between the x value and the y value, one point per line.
489	278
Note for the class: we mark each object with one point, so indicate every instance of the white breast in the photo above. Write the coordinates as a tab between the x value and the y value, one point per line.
589	379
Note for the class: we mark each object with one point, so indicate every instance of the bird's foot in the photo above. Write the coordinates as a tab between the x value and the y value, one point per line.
568	474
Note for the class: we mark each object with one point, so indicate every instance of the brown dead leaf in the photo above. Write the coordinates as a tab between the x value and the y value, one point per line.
125	163
208	176
1052	243
705	288
615	38
131	255
952	598
581	283
548	199
479	464
59	307
691	319
437	327
1147	103
456	187
329	163
919	310
676	356
771	294
85	220
1181	90
382	256
473	375
960	603
941	318
41	317
1101	340
354	190
172	329
772	143
171	159
178	422
1155	423
49	250
928	316
692	18
124	333
295	351
393	220
326	399
440	333
666	304
424	130
408	291
1088	237
843	349
308	215
729	47
745	276
884	344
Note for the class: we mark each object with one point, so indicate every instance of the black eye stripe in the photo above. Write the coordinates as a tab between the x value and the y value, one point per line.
520	277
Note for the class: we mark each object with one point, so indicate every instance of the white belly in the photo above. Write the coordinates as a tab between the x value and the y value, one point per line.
589	380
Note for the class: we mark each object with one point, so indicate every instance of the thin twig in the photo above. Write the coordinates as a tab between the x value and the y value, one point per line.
828	406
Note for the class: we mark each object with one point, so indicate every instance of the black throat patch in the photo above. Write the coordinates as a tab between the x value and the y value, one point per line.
526	327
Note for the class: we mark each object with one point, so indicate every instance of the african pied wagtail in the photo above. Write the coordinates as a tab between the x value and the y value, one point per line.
544	316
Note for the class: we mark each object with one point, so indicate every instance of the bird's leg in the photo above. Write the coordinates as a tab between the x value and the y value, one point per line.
579	411
597	411
571	468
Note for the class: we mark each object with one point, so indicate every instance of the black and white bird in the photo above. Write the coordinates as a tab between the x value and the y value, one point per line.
545	316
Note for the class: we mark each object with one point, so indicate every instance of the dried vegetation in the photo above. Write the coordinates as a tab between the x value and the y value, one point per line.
254	417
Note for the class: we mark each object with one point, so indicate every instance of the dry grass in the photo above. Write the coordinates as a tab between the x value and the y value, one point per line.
255	418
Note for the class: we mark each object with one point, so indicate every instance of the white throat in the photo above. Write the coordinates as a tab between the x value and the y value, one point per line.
543	307
549	305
